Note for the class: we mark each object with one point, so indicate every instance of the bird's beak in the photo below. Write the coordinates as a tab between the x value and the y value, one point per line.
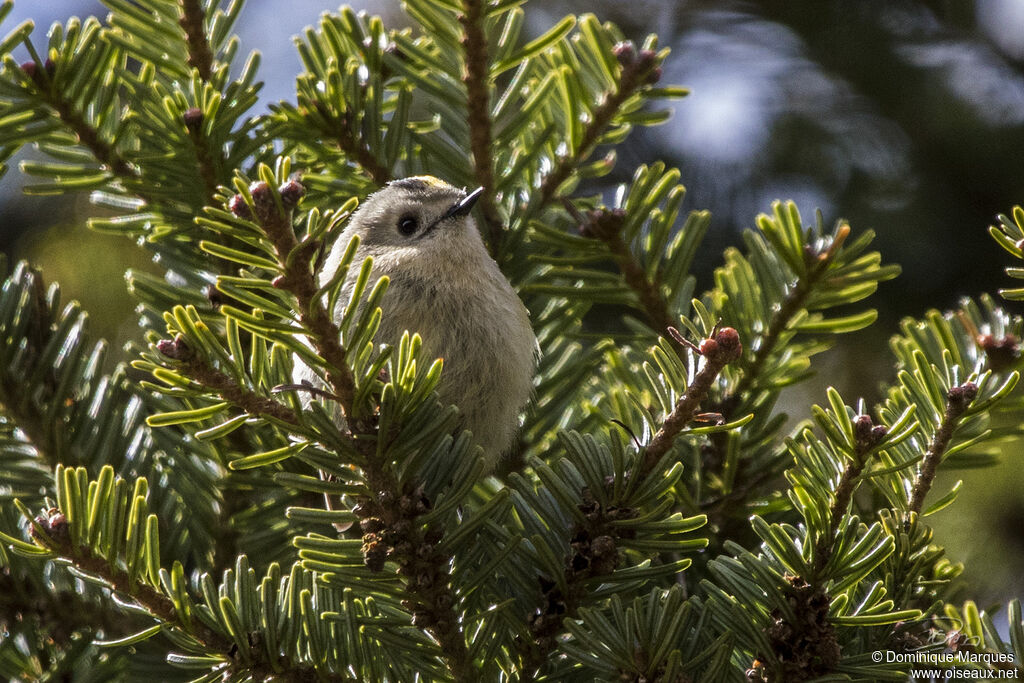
464	205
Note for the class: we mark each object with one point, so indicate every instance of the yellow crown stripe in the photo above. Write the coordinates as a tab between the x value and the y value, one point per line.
429	180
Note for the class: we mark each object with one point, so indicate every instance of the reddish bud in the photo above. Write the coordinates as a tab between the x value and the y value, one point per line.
653	76
625	52
878	433
291	193
1001	353
238	207
262	200
193	119
1019	244
31	70
260	192
708	348
55	524
728	340
963	394
603	223
862	428
175	349
279	282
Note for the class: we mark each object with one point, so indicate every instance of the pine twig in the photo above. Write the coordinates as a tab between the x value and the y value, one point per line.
299	280
341	133
790	307
718	352
606	225
638	70
958	399
29	422
867	435
388	516
201	372
478	94
200	56
87	135
206	161
594	554
162	607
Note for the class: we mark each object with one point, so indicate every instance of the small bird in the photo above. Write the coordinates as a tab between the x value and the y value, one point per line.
445	286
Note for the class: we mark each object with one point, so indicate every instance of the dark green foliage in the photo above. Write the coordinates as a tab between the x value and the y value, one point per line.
211	520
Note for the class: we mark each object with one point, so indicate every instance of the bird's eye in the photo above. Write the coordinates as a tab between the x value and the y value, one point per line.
407	225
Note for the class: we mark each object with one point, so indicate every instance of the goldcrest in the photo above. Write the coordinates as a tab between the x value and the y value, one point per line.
445	286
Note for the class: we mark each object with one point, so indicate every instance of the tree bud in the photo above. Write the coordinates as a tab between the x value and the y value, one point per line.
193	118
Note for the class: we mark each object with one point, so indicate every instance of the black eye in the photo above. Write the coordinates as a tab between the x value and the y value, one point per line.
407	225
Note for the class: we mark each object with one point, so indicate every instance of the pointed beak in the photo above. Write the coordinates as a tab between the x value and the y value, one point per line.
464	205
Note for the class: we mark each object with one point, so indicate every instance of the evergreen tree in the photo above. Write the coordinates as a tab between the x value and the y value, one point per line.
195	517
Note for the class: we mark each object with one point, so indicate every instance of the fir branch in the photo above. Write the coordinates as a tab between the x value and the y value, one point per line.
201	372
478	93
718	352
806	648
298	279
88	136
958	399
56	613
200	56
162	608
39	332
606	225
638	70
594	554
57	538
206	162
342	133
388	516
29	421
789	308
867	435
391	532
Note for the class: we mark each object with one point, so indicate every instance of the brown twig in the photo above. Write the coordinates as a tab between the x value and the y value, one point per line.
805	648
606	225
89	137
200	56
162	607
790	307
751	367
478	94
594	554
389	514
298	279
867	436
53	613
341	132
201	372
207	162
637	71
718	352
958	399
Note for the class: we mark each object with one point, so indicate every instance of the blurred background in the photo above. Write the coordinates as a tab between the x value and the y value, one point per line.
904	117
